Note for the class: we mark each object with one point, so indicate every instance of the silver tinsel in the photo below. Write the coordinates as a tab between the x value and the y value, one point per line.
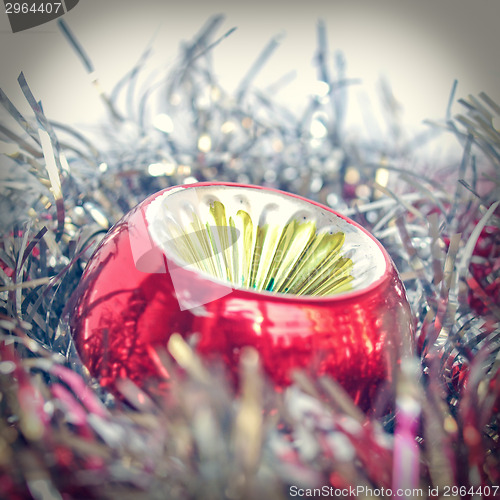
62	189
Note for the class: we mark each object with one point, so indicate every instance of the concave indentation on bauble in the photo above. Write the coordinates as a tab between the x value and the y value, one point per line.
263	240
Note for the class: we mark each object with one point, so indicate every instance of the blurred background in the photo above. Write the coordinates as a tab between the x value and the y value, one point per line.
420	48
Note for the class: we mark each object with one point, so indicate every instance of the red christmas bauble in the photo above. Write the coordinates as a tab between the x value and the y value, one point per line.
242	266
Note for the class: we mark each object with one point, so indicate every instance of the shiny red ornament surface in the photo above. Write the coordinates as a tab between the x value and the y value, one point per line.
484	284
132	297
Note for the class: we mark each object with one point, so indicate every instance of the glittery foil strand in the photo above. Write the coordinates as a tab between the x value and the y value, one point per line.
63	436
